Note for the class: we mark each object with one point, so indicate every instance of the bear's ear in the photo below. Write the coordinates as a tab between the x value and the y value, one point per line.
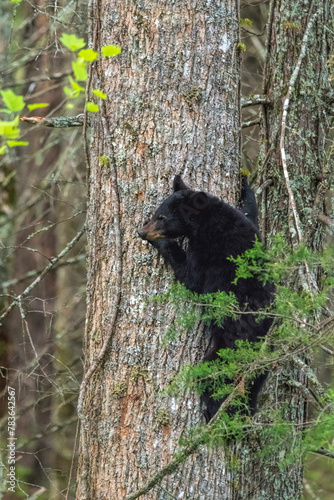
178	184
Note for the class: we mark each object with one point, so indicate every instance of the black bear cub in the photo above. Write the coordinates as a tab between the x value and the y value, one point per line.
215	231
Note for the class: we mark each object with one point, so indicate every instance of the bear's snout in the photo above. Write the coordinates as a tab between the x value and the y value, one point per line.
150	232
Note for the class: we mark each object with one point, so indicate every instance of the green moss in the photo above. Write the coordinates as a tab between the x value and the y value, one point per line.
138	372
104	160
292	25
162	417
119	389
245	22
193	94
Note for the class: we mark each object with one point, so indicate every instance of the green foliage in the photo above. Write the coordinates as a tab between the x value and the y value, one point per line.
80	65
245	22
91	106
72	42
110	50
12	101
9	129
195	307
298	330
100	94
241	46
11	144
37	105
88	55
79	69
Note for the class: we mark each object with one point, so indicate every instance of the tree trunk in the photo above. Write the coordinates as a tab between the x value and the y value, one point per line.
293	179
295	26
173	107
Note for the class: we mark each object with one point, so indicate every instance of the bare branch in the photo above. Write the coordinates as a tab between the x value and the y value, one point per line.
36	272
56	122
48	268
251	123
328	351
254	100
328	221
325	453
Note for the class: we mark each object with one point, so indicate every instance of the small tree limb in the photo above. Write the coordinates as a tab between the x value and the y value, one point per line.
325	453
53	262
254	100
251	123
56	121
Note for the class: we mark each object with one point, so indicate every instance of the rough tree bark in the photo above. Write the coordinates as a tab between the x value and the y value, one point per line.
293	180
173	107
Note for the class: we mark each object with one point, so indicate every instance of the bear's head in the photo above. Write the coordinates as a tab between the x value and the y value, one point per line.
175	216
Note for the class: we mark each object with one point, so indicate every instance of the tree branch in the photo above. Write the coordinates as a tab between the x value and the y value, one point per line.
328	221
251	123
48	268
254	100
328	351
56	122
325	453
36	272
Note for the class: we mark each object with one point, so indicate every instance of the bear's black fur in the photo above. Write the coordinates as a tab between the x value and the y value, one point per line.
215	231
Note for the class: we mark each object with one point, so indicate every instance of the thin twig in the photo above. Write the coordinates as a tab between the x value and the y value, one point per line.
326	350
36	272
257	121
254	100
325	453
48	268
56	121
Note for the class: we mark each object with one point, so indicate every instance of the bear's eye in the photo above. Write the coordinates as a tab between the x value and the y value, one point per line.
161	217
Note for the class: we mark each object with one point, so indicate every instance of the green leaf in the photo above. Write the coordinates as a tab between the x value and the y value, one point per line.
15	1
100	94
69	105
79	69
88	55
70	93
91	106
11	144
241	46
9	130
11	100
72	42
110	50
75	85
37	105
3	149
245	22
